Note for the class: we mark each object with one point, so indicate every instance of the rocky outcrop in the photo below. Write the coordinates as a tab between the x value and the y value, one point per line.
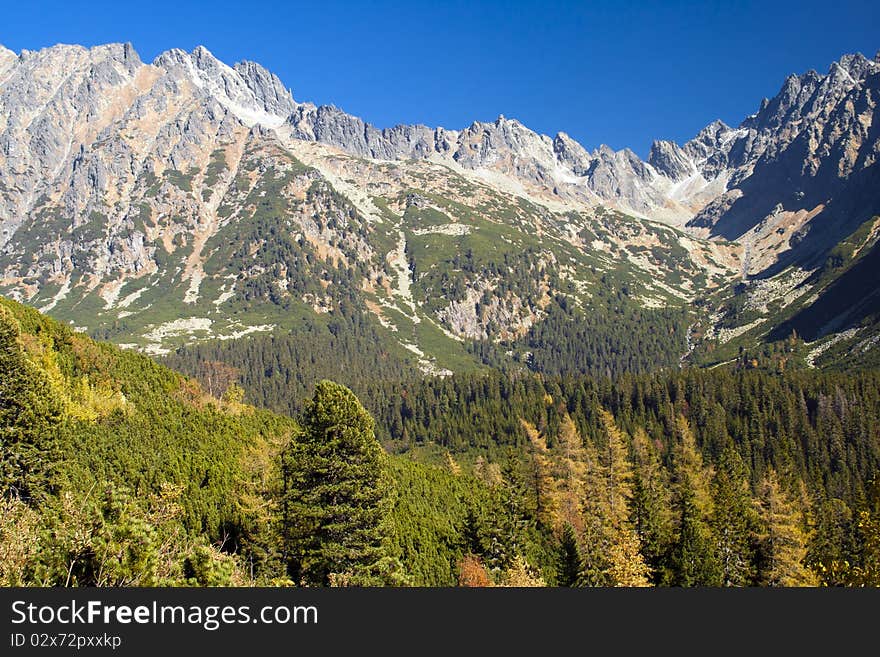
670	160
812	148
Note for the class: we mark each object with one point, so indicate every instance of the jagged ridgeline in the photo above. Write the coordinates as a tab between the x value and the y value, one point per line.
183	200
116	470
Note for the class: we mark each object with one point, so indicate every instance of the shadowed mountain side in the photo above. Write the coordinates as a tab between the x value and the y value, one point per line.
844	304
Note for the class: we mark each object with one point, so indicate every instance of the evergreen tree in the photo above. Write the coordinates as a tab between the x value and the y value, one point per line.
733	521
544	485
652	504
337	494
595	537
833	543
568	561
693	559
30	413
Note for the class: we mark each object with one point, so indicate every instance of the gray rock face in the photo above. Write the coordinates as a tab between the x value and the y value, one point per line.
266	88
813	147
330	125
248	90
670	160
571	154
504	146
85	134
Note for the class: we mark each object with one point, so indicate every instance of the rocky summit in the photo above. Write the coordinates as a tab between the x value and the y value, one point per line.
158	204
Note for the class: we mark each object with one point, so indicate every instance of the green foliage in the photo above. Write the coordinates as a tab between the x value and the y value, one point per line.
80	417
123	472
30	415
337	495
733	521
279	371
571	340
179	179
569	558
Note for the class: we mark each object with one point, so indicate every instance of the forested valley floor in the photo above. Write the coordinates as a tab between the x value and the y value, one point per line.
256	469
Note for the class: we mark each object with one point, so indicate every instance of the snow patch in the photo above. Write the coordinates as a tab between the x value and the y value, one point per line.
249	115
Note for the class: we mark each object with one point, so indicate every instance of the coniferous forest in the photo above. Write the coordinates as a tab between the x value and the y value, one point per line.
318	460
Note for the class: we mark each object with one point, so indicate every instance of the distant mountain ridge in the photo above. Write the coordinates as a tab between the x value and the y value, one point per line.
115	174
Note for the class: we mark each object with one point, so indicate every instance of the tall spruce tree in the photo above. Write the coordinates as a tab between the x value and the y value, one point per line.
337	495
733	521
652	504
568	558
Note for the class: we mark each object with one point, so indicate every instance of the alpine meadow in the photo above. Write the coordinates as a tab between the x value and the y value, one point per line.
247	340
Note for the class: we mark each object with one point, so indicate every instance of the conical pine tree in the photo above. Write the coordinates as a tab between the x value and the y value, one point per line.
337	495
568	560
693	560
733	521
652	504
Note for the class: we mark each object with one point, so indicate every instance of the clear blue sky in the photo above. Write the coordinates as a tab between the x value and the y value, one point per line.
605	72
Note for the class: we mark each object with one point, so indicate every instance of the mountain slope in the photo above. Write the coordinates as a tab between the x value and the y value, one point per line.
158	204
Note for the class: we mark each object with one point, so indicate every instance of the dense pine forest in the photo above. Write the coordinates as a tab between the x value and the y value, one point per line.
254	468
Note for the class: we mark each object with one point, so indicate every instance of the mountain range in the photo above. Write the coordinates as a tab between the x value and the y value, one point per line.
164	204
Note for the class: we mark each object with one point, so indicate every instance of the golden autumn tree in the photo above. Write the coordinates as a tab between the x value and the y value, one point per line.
627	566
541	480
571	460
472	573
783	539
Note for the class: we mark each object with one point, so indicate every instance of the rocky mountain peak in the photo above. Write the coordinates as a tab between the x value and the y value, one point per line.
266	86
570	153
7	59
856	65
668	158
120	180
704	149
248	91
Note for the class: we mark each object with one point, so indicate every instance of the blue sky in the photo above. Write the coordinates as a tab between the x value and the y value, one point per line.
604	72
